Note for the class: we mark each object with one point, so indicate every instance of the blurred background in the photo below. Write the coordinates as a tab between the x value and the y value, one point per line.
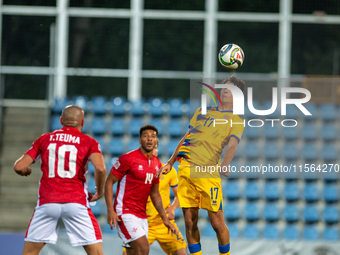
129	63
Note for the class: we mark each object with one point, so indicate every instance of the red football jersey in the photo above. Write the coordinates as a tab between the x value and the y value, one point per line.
136	174
64	155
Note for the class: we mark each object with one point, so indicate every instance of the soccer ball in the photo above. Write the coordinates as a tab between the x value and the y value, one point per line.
231	56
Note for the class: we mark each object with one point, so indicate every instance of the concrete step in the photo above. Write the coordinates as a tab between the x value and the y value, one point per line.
15	219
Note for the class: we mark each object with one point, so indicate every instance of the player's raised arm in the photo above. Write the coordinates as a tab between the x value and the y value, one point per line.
97	161
229	155
112	217
22	165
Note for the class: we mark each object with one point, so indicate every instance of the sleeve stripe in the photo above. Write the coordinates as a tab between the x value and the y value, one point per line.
238	139
174	186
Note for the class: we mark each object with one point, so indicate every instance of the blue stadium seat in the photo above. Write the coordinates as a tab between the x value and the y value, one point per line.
171	147
81	101
161	149
271	191
135	125
158	123
291	191
234	167
329	152
59	104
271	150
251	231
116	147
289	174
108	230
208	231
99	105
328	112
330	214
252	168
233	230
193	105
271	232
310	213
328	132
86	127
309	152
137	107
95	208
291	213
273	171
175	128
331	193
91	168
290	133
267	105
252	132
102	144
310	192
251	211
175	107
98	126
292	112
271	132
231	211
133	144
309	131
310	233
271	212
118	105
331	233
311	107
310	176
55	123
249	114
117	126
251	150
252	190
156	106
91	185
232	190
291	232
290	151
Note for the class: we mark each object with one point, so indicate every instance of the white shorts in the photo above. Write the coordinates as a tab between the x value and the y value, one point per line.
130	228
81	226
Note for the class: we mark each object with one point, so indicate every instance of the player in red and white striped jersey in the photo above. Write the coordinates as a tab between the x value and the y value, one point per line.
63	193
135	172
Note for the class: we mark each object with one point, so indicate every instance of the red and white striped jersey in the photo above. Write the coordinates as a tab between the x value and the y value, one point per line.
136	174
64	155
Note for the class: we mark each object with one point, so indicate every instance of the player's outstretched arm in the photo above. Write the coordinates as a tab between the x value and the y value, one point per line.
22	165
229	155
97	161
167	167
171	210
112	217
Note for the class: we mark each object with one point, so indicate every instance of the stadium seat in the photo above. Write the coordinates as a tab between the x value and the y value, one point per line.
271	191
161	150
118	105
175	128
310	233
291	232
273	171
271	232
291	213
271	212
175	107
310	176
59	104
328	112
231	211
95	208
249	114
329	176
252	132
251	231
289	173
290	151
232	190
193	105
311	107
116	147
158	123
271	150
80	101
108	230
267	105
134	126
133	144
328	132
271	132
329	152
91	185
252	190
251	211
290	133
330	214
171	147
99	105
310	213
292	112
251	150
309	131
156	106
55	123
117	126
208	231
310	192
252	168
331	233
331	193
98	126
102	144
291	192
233	230
137	107
234	167
86	127
91	168
309	152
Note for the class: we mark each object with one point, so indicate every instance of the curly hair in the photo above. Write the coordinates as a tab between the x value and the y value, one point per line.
238	82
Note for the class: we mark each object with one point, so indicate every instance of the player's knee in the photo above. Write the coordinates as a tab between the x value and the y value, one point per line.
218	226
191	225
143	250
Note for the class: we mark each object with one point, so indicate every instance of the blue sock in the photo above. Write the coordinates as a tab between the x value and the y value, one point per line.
224	249
195	248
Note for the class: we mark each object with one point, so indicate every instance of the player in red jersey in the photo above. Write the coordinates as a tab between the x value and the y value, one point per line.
135	172
63	193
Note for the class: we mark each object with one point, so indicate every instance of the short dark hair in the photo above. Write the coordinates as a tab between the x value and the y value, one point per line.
147	127
238	82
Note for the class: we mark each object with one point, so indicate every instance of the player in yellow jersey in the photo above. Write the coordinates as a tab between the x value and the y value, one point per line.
171	244
199	153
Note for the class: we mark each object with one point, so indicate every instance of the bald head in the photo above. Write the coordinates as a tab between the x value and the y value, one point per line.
72	116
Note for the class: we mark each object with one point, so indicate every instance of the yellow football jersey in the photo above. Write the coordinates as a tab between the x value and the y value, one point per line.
208	136
166	181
